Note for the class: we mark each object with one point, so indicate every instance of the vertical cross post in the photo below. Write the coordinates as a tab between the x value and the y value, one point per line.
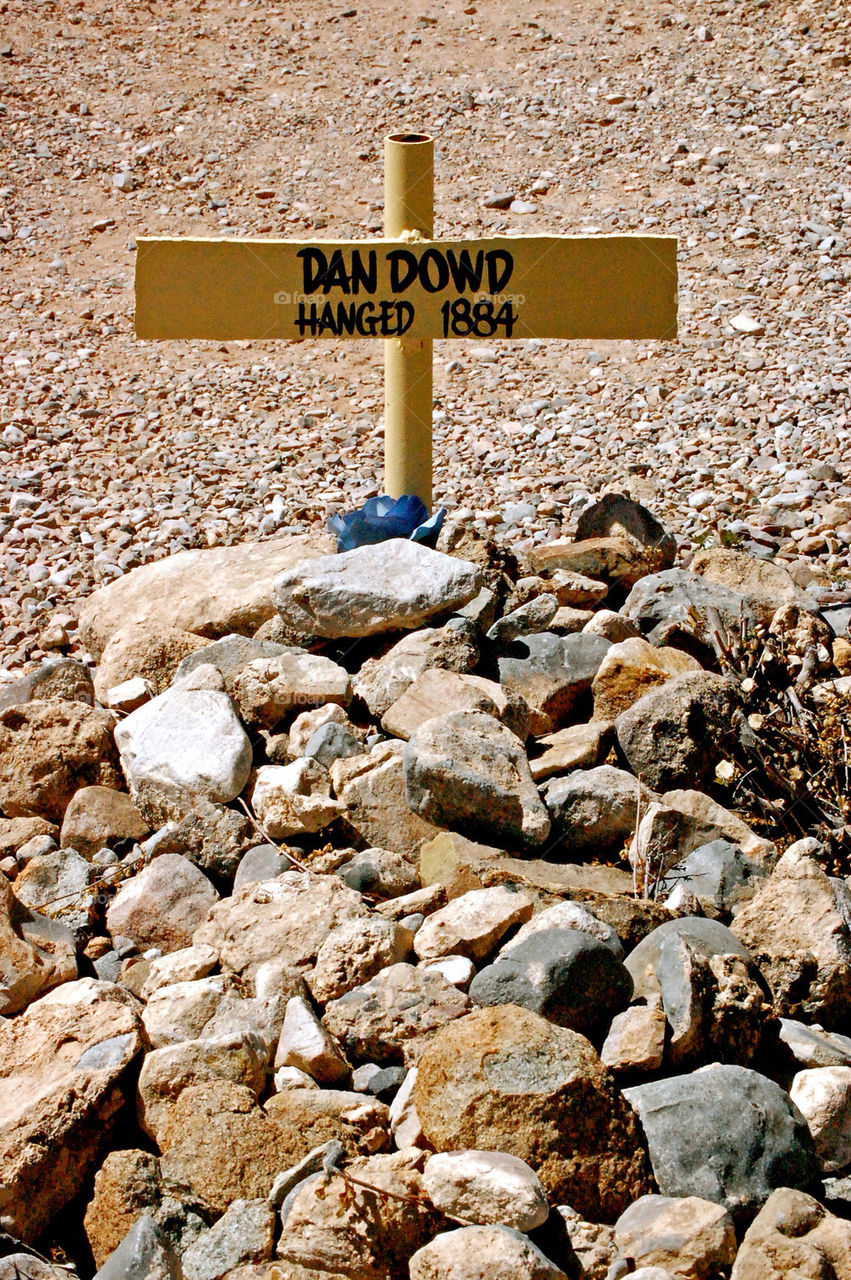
409	216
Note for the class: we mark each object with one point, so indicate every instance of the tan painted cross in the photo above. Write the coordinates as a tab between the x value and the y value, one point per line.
408	289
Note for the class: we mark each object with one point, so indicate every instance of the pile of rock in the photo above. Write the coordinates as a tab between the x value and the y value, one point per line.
518	997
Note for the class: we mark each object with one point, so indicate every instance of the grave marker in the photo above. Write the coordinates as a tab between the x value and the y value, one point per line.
408	289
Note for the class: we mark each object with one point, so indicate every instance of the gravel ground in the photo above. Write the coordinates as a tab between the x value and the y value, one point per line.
724	124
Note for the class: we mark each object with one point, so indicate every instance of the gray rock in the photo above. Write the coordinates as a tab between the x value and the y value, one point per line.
687	600
553	673
188	740
708	937
244	1233
211	836
229	655
25	1266
466	771
596	808
724	1133
393	585
380	872
571	978
333	742
377	1021
56	678
566	915
57	885
533	616
717	873
263	862
144	1254
812	1047
676	734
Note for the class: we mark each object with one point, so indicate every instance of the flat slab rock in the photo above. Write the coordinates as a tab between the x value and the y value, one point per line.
393	585
211	592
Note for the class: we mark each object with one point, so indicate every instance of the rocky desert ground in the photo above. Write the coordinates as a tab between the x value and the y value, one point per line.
469	912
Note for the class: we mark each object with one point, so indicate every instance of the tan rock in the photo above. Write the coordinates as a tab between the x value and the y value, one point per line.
765	584
441	856
710	820
793	1236
630	669
579	746
611	626
291	799
493	1251
372	790
99	816
61	1064
354	952
636	1039
240	1058
35	954
687	1236
127	1185
268	688
796	929
504	1079
49	750
431	694
473	924
66	678
612	560
289	918
142	649
210	592
337	1226
308	1117
162	905
16	832
381	681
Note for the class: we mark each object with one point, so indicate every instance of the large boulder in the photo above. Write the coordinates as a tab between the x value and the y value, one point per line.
189	741
61	1068
504	1079
466	771
386	586
724	1133
48	751
210	592
798	929
675	735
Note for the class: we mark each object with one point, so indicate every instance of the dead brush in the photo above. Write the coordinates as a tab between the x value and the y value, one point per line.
789	773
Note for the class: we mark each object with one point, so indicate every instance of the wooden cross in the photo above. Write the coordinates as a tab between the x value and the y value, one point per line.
408	289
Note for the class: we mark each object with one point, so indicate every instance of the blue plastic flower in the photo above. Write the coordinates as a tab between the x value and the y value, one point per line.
382	518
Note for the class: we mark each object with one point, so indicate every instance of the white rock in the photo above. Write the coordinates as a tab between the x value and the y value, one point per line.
404	1121
186	965
189	739
393	585
306	1044
458	970
471	1253
129	695
823	1095
484	1187
293	798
